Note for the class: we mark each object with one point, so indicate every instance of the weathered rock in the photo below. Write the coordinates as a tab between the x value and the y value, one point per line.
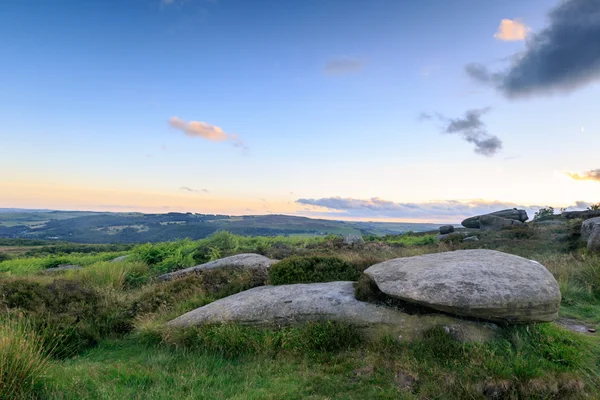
588	226
331	301
60	268
581	214
448	236
483	284
471	239
354	240
511	213
593	243
494	223
444	229
119	259
237	262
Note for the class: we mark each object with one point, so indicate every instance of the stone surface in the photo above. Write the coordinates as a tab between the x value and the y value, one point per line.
495	223
238	262
581	214
444	229
511	213
471	239
119	259
483	284
593	243
588	226
330	301
61	267
354	240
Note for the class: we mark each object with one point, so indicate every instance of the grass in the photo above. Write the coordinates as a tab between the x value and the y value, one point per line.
114	343
23	359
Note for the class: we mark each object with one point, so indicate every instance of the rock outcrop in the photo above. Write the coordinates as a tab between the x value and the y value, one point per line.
445	229
588	226
331	301
512	213
581	214
238	262
593	243
484	284
494	223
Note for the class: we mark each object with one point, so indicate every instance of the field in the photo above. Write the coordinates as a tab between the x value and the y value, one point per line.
88	227
99	333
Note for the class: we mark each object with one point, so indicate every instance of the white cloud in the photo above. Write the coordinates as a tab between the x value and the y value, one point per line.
512	30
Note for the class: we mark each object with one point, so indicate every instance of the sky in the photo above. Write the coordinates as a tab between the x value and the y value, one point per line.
343	109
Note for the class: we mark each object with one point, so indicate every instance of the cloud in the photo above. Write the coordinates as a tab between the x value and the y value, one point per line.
206	131
343	66
441	210
563	57
511	30
189	189
472	129
593	175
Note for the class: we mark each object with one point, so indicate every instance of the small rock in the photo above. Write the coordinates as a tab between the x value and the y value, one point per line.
62	267
471	239
444	229
591	330
354	240
119	259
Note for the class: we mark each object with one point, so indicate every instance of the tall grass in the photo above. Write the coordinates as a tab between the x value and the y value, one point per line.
22	359
114	276
31	265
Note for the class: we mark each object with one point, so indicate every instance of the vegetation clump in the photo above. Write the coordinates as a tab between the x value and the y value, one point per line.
297	269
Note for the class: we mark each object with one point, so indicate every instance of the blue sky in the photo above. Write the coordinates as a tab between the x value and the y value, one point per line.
313	100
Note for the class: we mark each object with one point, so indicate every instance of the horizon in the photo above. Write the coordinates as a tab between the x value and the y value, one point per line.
350	111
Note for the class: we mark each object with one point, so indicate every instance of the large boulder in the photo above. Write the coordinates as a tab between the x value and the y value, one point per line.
246	261
483	284
581	214
445	229
330	301
511	213
493	223
588	226
593	243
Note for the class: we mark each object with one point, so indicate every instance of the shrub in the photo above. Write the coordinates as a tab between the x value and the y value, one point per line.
64	309
297	269
544	213
22	359
594	207
4	257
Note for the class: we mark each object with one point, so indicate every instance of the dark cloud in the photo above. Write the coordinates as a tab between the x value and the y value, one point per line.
563	57
593	175
442	210
343	66
472	129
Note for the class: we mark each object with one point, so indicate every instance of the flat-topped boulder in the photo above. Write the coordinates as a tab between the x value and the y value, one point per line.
588	226
246	261
511	213
330	301
484	284
495	223
581	214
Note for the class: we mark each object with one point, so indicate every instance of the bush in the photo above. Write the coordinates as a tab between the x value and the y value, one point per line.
63	309
312	269
4	257
544	213
22	359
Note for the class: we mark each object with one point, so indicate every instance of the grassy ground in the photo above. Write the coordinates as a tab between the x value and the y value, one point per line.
104	335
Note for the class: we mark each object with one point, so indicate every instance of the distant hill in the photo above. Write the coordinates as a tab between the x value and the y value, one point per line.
105	227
